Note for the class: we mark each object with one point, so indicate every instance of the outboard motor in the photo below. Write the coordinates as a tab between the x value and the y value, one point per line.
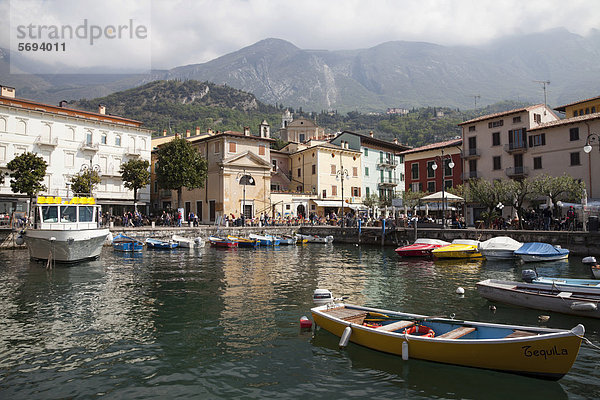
322	296
528	275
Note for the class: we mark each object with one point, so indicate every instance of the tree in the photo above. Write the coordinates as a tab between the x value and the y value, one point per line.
27	173
371	201
410	199
180	165
521	191
557	188
85	181
135	175
487	194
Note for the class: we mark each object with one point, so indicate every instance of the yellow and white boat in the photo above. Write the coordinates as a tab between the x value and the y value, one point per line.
460	248
533	351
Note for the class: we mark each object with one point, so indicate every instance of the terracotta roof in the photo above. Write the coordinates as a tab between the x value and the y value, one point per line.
42	107
433	146
566	121
368	138
501	114
563	108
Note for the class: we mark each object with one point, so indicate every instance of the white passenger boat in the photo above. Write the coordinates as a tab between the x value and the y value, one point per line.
65	231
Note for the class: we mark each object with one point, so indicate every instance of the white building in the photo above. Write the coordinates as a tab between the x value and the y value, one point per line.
70	140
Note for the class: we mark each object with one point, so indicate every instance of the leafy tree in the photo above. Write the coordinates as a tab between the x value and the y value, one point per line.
371	201
27	173
521	191
180	165
135	175
85	181
557	188
487	194
410	199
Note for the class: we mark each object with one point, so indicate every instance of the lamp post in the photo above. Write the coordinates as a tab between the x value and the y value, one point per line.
341	174
90	169
591	138
245	179
435	167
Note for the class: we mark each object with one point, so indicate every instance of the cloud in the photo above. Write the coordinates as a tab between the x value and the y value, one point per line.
188	31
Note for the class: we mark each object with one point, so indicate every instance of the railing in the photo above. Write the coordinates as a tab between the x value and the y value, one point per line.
387	181
515	146
132	151
387	162
89	146
46	141
517	171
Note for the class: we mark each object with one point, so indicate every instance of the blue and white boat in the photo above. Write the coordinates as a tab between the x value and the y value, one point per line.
126	243
530	276
536	251
160	244
266	240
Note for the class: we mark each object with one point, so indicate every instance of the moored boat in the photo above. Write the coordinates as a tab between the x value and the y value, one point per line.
530	276
420	248
160	244
187	242
288	240
460	248
65	231
567	300
216	241
316	238
126	243
507	348
536	251
265	240
499	248
243	242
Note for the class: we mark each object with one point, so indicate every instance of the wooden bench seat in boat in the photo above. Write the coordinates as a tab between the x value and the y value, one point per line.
348	314
394	326
457	333
518	333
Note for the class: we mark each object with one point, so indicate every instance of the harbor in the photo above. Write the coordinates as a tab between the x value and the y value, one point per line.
224	323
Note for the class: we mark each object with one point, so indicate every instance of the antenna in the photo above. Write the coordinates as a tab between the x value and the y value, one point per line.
476	97
544	83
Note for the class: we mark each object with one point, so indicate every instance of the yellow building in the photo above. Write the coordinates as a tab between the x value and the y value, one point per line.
582	107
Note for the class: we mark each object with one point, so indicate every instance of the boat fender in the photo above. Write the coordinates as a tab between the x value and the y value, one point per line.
528	275
305	323
460	290
19	241
420	330
345	337
405	350
584	306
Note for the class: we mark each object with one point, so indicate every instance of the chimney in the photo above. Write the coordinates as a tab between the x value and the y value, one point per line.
164	132
197	130
62	103
187	133
395	140
101	109
7	92
371	133
210	132
246	131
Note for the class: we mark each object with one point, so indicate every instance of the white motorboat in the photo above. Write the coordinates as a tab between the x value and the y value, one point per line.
500	248
316	239
187	242
65	231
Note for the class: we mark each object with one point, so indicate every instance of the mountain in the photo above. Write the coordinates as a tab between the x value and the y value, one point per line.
392	74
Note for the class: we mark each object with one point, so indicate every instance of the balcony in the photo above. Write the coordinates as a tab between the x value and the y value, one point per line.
517	172
132	151
89	146
387	182
164	193
516	147
471	175
43	140
472	153
387	163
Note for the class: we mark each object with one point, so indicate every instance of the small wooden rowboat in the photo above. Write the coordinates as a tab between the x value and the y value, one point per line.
539	352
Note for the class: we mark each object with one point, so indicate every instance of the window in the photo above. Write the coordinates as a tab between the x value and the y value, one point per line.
366	152
516	120
324	193
355	192
472	143
495	124
447	183
414	169
587	110
302	137
274	187
431	187
516	138
574	113
332	169
333	190
473	167
88	137
232	147
314	169
355	171
262	150
447	169
367	191
274	162
103	138
575	159
537	118
497	163
537	162
593	109
69	159
581	111
366	171
299	189
537	140
416	187
401	176
472	128
574	134
496	139
430	171
299	172
217	147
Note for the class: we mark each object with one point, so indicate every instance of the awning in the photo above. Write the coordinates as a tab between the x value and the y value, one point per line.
329	203
448	197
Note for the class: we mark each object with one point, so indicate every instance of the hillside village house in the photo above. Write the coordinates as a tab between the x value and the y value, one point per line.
231	156
70	140
382	163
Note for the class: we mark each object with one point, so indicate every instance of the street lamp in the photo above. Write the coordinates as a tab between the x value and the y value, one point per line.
89	169
341	174
245	179
435	167
592	137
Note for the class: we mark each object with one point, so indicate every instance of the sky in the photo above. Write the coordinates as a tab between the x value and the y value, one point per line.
181	32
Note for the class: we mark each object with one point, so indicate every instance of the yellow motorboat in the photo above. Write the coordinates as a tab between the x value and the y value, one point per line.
526	350
460	248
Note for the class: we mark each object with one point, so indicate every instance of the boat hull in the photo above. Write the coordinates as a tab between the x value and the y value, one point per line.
68	246
515	355
499	254
542	258
415	250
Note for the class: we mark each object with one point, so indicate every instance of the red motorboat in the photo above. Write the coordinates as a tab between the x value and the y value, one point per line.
222	242
420	248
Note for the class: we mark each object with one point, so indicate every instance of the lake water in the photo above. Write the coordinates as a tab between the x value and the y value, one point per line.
213	323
